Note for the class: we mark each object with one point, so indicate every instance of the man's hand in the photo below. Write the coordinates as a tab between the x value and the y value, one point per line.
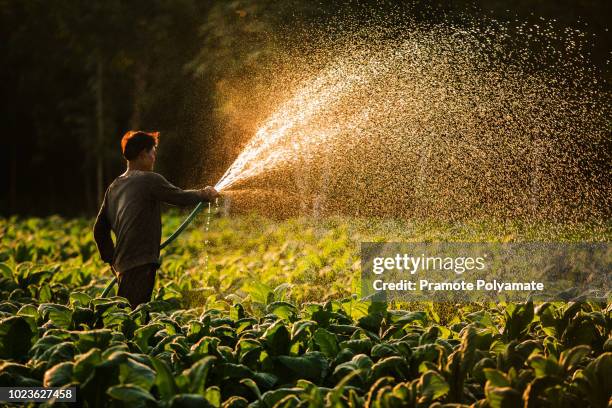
209	193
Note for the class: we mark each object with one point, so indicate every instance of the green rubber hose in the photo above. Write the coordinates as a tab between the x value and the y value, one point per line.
167	242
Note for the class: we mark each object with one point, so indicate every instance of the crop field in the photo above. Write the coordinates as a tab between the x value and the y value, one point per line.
263	313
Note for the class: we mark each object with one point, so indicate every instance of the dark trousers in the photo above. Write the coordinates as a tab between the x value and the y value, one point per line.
136	284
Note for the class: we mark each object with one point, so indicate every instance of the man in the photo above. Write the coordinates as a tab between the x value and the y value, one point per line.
131	208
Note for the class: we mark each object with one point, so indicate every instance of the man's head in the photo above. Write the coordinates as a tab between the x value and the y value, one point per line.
140	148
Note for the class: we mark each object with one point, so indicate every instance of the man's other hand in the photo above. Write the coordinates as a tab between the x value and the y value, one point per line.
209	193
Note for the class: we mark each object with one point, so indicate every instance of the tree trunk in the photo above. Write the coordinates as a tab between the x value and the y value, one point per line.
13	180
89	196
140	85
100	131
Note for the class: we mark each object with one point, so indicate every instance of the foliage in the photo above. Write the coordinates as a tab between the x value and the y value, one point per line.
276	341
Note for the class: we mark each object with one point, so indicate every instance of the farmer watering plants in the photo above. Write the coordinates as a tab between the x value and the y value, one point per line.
132	210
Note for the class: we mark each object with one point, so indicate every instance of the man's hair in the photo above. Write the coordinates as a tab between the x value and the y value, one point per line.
135	141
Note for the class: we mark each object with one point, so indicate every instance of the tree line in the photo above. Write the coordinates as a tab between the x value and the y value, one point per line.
77	74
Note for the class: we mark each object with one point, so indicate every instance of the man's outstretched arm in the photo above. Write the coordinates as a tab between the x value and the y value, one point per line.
166	192
102	235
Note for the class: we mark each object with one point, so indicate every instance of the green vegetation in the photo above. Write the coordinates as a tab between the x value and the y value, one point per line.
265	314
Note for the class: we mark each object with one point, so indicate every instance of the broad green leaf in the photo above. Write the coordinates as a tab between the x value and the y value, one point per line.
311	366
496	378
59	315
198	374
360	346
252	386
135	373
283	310
99	338
596	381
6	271
235	402
271	398
58	375
277	338
130	394
503	397
433	385
142	335
85	363
164	379
15	337
213	396
571	358
29	311
280	290
79	298
327	342
206	345
189	401
394	366
518	318
544	366
258	291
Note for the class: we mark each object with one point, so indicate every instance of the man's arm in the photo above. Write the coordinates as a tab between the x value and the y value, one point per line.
102	235
166	192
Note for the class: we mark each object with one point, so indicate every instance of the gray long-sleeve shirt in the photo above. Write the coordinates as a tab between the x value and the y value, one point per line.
132	210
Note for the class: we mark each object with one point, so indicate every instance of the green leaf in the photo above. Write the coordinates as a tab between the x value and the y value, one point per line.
15	337
279	291
189	401
311	366
503	397
496	378
258	291
93	338
6	271
83	315
271	398
252	386
213	396
543	366
236	402
581	330
359	346
360	364
517	319
266	380
433	385
85	363
130	393
28	311
394	366
571	358
164	380
237	311
596	381
205	346
277	338
79	298
135	373
59	315
283	310
327	342
237	371
198	373
58	375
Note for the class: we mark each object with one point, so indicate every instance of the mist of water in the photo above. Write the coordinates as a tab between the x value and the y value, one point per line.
436	121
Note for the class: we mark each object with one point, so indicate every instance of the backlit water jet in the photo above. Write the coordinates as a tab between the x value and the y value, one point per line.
436	121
